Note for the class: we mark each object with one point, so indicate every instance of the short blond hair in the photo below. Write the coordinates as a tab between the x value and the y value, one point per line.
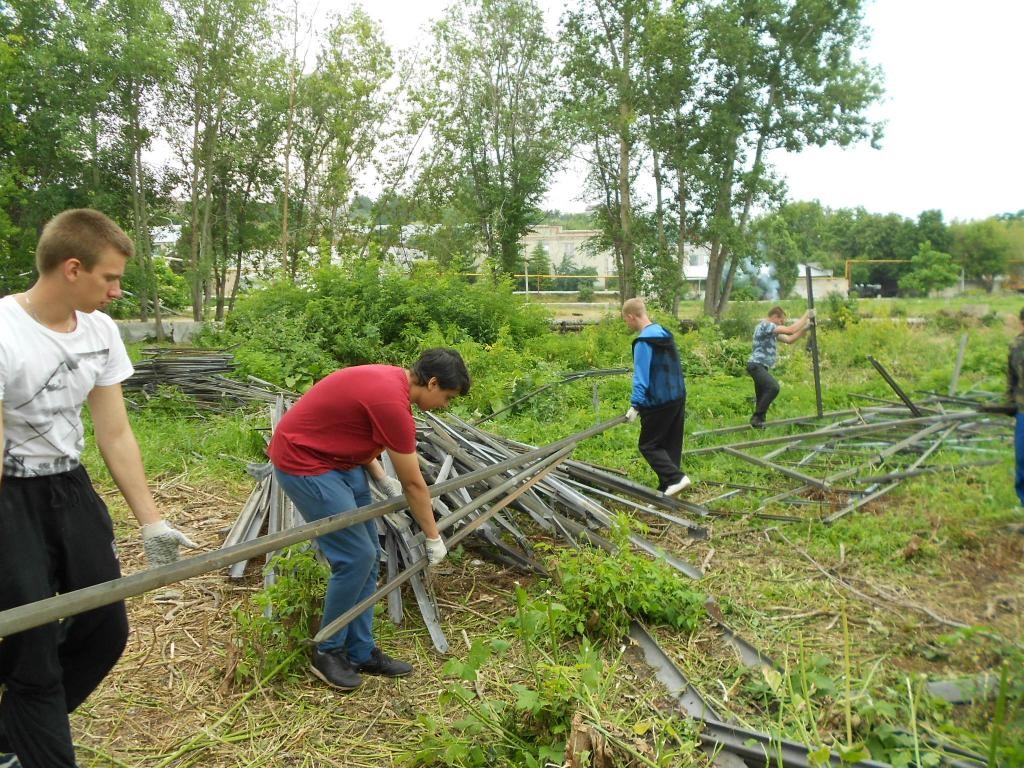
634	307
83	234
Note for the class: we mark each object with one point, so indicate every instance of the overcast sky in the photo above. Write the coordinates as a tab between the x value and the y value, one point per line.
953	109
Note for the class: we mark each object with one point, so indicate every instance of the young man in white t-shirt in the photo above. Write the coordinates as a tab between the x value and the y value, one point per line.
57	351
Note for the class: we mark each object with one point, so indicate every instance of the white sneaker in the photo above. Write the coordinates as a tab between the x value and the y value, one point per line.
676	487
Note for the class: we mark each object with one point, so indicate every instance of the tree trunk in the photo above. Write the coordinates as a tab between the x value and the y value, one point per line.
627	283
680	240
752	181
721	219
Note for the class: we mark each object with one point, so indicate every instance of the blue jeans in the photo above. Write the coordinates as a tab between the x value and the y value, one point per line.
353	552
1018	444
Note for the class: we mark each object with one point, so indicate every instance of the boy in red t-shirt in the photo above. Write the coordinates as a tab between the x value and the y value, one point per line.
322	451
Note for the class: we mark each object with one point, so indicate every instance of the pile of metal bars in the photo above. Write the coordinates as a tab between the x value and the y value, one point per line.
858	456
201	375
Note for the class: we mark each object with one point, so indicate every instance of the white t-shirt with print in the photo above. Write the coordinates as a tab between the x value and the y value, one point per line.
45	377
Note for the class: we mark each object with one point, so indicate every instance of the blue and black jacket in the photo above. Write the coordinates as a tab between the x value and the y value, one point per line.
657	373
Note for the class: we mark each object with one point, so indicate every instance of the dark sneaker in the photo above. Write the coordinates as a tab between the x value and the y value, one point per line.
8	760
757	422
334	668
380	663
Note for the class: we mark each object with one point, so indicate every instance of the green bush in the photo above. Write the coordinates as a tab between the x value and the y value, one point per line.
275	644
601	593
367	312
739	320
841	311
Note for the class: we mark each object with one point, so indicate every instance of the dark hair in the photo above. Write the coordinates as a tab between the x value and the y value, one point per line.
776	312
446	365
83	234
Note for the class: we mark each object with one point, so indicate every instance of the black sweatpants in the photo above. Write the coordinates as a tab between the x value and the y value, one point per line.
766	389
661	440
55	536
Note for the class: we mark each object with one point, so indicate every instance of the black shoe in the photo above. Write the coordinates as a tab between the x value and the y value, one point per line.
380	663
757	423
9	760
334	668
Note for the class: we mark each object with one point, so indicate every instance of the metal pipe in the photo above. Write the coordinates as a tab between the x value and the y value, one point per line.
895	387
830	432
813	342
959	364
539	471
60	606
796	475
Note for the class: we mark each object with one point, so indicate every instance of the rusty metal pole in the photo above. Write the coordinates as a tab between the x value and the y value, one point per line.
813	343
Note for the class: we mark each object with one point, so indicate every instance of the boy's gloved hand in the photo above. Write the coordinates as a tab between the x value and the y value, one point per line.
436	550
161	541
390	487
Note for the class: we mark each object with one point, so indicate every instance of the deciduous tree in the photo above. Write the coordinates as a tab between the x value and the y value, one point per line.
488	95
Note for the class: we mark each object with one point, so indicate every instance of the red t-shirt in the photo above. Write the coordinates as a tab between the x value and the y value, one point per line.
345	421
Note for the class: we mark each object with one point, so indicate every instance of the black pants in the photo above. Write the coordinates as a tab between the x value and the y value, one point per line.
661	440
766	389
55	536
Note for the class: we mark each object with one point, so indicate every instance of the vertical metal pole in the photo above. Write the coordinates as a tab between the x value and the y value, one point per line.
813	343
959	364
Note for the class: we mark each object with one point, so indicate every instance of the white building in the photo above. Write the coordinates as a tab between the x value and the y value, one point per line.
559	244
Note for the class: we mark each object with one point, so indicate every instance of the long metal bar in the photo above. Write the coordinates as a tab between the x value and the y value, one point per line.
895	387
829	432
575	376
745	426
788	472
885	489
754	748
955	378
903	475
813	341
71	603
539	471
582	471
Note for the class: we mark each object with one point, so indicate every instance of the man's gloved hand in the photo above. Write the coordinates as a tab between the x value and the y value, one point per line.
436	550
631	414
161	541
390	487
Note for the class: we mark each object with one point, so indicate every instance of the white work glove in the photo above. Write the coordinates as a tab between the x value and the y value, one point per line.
161	541
810	314
390	487
436	550
631	414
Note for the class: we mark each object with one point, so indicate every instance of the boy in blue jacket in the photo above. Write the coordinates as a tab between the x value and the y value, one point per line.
659	397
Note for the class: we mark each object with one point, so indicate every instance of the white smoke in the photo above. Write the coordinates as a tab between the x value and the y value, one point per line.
762	277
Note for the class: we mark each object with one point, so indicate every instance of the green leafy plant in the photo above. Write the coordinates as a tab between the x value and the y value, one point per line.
282	617
526	722
841	311
600	593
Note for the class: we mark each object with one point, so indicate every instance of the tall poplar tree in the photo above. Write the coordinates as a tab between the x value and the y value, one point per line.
784	74
488	97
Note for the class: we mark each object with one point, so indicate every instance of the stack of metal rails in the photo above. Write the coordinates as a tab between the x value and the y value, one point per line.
846	459
201	375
